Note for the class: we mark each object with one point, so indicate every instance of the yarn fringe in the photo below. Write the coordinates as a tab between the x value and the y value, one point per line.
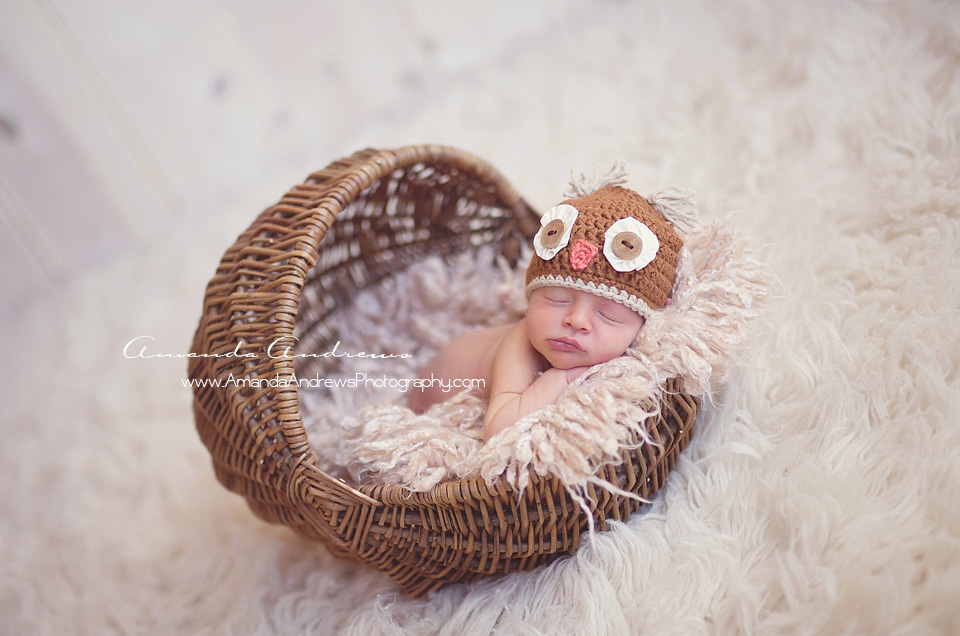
583	185
719	290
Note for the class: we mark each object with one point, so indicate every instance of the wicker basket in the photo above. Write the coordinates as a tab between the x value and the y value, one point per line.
348	226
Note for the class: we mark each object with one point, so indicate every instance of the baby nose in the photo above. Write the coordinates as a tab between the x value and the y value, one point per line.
578	318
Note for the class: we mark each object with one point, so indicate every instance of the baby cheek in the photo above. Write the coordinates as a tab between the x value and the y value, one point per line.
628	334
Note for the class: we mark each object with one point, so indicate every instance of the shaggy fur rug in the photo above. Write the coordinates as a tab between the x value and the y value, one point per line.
821	494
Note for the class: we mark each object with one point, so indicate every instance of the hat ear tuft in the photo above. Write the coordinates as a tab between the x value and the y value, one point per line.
581	187
677	207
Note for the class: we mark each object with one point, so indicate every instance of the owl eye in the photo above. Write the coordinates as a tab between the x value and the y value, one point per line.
555	227
629	245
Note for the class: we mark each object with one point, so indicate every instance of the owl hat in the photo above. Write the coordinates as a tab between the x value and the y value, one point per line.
612	242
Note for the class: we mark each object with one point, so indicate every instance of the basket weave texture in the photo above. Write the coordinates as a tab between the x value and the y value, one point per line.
287	279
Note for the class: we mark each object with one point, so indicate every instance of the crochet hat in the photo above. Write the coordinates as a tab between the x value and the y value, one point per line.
612	242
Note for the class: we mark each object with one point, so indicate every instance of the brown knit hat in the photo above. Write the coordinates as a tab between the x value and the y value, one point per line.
614	243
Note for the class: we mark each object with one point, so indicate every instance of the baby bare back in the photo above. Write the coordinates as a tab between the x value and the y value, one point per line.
469	356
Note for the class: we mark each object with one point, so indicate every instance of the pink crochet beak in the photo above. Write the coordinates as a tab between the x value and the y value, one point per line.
581	254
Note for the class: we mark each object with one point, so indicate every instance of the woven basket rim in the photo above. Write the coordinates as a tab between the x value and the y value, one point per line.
369	165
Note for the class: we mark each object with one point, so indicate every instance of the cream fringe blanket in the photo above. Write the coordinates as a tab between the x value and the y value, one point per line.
719	290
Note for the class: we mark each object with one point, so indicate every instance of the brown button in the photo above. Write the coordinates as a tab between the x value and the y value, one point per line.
551	234
627	245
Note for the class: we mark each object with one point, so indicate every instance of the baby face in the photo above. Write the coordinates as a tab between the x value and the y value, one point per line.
573	328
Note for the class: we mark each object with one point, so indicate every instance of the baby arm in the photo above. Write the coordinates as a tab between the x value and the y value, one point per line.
515	388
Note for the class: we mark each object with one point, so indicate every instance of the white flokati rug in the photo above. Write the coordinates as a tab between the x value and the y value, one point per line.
822	492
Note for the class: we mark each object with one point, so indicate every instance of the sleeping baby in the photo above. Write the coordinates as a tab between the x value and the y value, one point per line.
603	262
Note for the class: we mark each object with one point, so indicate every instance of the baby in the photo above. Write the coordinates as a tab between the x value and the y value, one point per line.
604	261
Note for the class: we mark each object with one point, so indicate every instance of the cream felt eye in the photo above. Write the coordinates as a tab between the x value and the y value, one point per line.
555	227
629	245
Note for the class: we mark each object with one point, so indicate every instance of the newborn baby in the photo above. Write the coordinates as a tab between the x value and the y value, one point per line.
604	261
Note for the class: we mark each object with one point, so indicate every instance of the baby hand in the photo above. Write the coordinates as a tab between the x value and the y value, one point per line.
574	373
566	376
